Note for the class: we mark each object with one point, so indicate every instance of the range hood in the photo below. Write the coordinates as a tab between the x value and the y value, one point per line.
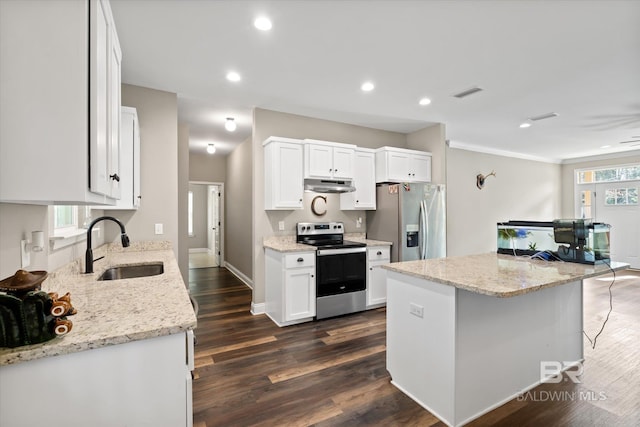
328	186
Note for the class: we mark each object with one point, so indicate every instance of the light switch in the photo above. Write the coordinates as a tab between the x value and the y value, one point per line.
159	229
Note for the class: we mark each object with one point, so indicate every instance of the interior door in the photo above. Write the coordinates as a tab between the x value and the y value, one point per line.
616	204
213	223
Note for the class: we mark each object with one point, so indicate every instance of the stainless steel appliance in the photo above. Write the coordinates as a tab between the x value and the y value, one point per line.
413	218
340	268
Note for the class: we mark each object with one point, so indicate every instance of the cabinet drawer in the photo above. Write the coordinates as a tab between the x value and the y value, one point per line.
376	254
307	259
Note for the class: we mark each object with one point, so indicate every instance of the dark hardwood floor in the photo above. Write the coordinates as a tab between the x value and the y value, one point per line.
332	373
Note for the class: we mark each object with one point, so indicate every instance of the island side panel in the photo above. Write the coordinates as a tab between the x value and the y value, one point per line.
420	350
500	343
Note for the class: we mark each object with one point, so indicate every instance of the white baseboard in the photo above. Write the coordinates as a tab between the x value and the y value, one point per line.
198	250
258	308
241	276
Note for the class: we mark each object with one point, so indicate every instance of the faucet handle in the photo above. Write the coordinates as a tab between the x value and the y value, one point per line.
125	240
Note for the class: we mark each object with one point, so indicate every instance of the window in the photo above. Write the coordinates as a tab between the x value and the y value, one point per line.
611	174
65	218
621	196
190	214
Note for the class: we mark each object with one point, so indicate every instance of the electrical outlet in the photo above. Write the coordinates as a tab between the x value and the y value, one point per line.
281	225
359	222
25	255
416	310
159	229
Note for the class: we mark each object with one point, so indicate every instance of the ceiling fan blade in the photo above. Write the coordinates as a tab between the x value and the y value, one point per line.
628	142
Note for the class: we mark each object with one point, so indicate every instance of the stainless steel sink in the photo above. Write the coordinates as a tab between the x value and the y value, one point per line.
132	271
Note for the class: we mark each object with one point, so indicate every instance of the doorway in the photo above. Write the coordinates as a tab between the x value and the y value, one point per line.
206	224
614	203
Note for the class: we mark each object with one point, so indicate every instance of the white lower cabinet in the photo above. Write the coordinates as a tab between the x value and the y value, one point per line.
290	289
139	383
376	277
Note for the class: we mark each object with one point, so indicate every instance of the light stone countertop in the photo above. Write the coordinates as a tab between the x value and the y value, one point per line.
288	243
116	311
500	275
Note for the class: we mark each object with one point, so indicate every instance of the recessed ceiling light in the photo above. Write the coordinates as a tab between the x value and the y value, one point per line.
606	146
424	101
232	76
211	148
525	125
262	23
230	124
367	86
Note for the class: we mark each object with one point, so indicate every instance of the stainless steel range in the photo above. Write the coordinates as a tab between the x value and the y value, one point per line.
340	268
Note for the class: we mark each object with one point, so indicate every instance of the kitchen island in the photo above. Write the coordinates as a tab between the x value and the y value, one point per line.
126	361
467	334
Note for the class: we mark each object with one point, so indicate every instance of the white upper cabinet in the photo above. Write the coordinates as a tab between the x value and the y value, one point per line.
129	161
60	104
402	165
364	180
328	160
283	179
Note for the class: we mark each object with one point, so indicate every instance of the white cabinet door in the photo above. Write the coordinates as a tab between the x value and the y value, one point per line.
398	167
283	174
376	277
343	163
99	111
114	117
364	179
299	293
420	168
319	161
129	161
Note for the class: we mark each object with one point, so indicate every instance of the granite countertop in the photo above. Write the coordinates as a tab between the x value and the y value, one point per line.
288	243
500	275
116	311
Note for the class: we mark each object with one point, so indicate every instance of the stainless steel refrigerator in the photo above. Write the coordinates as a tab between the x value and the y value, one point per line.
413	218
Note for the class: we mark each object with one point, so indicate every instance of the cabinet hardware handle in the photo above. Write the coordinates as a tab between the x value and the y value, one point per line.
371	268
300	259
115	177
357	201
379	253
330	170
312	275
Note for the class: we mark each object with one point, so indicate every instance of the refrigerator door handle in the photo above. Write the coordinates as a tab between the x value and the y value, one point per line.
424	229
421	232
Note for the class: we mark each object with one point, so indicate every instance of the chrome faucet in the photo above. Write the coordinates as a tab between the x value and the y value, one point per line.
88	256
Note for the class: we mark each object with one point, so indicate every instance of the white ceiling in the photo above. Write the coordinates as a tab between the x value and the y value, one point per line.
580	59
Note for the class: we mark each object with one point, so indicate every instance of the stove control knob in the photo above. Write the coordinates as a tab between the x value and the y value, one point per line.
339	226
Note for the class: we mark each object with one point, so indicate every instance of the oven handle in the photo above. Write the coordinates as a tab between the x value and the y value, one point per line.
321	252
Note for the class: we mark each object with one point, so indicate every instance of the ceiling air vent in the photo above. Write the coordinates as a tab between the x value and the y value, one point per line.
468	92
543	117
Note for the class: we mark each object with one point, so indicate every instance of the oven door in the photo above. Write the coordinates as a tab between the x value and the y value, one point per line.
340	271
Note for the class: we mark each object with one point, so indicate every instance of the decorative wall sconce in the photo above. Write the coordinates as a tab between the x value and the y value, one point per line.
313	205
480	179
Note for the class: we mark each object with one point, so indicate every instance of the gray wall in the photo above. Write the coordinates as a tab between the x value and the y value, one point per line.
183	188
268	123
199	237
158	117
238	209
521	190
568	175
207	167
